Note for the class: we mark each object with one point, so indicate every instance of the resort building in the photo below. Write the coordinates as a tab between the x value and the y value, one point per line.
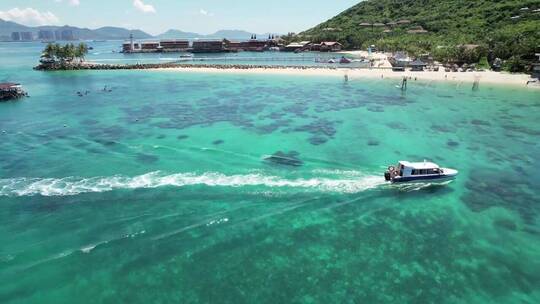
174	45
208	46
296	46
330	46
536	68
417	65
399	59
131	47
252	45
150	46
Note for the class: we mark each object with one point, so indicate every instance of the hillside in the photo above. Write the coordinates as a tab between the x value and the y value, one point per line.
506	27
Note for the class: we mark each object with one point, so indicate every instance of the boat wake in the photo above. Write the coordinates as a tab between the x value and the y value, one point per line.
73	186
417	186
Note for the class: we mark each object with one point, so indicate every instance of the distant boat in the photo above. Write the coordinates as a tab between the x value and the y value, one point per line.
421	171
186	57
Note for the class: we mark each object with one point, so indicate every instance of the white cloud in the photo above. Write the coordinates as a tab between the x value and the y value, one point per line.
29	16
70	2
145	8
205	13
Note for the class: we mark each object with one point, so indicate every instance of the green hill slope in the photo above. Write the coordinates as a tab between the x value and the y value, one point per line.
506	27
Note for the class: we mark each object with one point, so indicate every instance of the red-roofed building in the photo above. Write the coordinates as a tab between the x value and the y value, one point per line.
330	46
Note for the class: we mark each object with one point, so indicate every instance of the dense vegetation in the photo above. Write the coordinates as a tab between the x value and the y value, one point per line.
55	52
506	29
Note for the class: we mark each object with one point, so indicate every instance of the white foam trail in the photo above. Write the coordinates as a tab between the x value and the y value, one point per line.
73	186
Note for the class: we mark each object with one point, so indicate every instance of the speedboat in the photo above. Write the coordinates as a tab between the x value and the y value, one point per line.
422	171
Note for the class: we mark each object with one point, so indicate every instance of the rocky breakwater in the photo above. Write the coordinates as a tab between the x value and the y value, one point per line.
9	91
148	66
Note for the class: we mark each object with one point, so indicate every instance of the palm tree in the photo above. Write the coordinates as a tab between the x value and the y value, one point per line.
50	51
82	50
68	51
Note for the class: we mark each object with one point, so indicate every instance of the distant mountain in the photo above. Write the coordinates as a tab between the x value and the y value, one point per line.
7	27
118	33
231	34
177	34
106	33
221	34
114	33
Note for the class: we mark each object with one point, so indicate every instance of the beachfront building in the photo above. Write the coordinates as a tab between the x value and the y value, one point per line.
417	65
131	47
330	46
174	45
208	46
150	46
252	45
536	68
296	46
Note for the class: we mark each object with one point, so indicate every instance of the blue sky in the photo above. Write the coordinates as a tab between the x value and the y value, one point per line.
156	16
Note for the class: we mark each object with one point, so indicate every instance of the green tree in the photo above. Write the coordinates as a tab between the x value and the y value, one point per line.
81	51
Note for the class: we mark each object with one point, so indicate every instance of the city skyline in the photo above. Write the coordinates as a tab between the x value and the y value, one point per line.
158	16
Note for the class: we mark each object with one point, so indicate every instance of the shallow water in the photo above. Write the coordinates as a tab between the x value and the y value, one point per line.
162	187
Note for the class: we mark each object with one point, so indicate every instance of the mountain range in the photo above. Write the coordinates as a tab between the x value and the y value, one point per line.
118	33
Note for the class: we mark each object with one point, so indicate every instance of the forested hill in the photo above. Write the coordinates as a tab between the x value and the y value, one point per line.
424	24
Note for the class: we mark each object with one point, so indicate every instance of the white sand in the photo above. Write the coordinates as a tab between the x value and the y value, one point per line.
499	78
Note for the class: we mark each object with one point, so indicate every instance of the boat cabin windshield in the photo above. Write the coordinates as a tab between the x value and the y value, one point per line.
433	171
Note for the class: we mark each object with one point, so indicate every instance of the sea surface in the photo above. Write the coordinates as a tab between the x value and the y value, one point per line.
170	187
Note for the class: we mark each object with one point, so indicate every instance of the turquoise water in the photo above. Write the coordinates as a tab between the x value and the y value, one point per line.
159	189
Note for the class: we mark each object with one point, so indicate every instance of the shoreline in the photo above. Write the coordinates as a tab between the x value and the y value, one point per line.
488	77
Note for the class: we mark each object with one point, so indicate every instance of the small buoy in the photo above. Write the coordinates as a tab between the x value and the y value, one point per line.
65	126
4	131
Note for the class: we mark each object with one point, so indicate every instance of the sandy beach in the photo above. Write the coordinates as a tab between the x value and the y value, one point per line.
490	77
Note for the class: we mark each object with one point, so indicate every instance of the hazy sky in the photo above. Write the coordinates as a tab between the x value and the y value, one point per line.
156	16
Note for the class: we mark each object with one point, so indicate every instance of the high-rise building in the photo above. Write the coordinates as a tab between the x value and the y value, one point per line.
16	36
46	35
67	35
63	34
27	36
